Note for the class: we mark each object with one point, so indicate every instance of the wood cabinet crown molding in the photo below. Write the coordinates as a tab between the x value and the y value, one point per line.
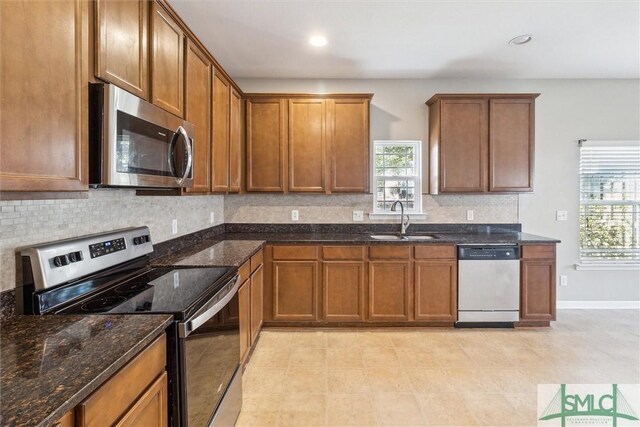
439	96
309	95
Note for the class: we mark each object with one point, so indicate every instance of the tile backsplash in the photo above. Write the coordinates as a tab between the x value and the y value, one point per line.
338	208
29	222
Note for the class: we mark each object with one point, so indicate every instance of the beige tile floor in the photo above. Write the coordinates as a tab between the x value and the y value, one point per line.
419	377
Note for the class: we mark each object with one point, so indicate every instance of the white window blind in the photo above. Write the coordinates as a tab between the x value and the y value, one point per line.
397	175
609	202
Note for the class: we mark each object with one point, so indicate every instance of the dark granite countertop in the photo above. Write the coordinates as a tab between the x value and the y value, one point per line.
213	253
365	238
49	364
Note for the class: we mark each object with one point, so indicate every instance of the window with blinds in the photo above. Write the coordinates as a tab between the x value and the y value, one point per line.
397	175
609	202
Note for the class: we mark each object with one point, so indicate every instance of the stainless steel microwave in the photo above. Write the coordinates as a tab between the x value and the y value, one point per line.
133	143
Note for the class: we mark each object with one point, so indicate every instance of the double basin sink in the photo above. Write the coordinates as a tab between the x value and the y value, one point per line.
397	237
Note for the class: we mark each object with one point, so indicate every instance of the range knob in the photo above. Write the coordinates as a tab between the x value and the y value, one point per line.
60	261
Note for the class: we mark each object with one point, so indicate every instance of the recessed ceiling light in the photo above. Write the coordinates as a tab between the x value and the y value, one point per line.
520	40
318	41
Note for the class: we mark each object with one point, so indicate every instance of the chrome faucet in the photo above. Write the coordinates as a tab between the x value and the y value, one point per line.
403	224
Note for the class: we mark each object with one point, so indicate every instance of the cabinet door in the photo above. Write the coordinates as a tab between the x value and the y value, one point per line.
235	142
464	142
121	44
198	112
244	302
435	290
389	290
343	291
150	410
256	302
537	290
221	94
307	145
349	145
67	420
43	76
167	62
266	144
511	142
295	290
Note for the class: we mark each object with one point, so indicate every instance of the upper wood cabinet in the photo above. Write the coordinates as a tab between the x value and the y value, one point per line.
481	143
198	112
167	61
43	76
220	160
348	122
266	144
121	54
235	141
307	141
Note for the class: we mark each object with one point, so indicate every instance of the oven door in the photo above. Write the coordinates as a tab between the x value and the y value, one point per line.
143	145
210	354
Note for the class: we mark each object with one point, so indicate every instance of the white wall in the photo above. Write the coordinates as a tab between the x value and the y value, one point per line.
566	111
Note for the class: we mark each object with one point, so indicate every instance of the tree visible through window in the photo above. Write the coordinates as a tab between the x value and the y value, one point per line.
609	201
397	175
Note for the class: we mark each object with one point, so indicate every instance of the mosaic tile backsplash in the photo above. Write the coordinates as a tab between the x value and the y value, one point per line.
29	222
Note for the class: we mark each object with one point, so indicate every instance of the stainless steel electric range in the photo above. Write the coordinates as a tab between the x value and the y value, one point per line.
110	273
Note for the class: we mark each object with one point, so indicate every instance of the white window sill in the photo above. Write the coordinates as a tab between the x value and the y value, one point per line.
393	215
608	266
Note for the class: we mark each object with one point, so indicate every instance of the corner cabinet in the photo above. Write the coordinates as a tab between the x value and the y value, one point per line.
307	143
481	143
538	283
44	75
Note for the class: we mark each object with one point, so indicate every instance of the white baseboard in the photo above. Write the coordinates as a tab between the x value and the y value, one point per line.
625	305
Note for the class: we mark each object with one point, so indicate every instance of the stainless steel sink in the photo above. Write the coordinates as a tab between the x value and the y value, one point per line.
397	237
386	237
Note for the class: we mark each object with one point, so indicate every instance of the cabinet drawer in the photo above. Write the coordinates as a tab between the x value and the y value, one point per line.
256	260
244	271
295	252
389	252
343	253
67	420
538	251
107	404
435	252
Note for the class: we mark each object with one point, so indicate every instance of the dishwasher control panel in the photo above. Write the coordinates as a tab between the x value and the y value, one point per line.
488	252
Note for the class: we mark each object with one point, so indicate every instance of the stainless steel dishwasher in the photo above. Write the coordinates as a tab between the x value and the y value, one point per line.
488	285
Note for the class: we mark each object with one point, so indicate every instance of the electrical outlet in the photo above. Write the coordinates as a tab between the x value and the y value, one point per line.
294	215
564	281
174	226
469	215
212	217
561	215
358	216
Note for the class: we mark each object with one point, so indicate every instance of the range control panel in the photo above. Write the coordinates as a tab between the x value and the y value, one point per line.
107	247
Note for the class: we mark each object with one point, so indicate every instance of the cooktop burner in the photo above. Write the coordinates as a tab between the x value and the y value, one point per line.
131	288
100	305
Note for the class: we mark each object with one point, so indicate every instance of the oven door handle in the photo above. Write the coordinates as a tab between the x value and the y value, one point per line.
209	309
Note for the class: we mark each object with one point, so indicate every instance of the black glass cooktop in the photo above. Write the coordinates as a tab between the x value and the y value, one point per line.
160	290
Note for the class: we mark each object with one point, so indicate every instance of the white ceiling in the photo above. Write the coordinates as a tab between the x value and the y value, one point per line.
418	39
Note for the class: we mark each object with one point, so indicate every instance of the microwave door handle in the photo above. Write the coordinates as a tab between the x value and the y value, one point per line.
171	154
208	310
187	146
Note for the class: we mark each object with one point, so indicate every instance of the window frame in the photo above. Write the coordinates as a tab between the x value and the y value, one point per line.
586	262
417	178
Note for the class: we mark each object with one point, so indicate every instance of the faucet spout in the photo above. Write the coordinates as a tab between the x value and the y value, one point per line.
403	224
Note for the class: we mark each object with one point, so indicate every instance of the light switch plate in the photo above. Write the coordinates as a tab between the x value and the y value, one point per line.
564	281
469	215
561	215
295	215
358	216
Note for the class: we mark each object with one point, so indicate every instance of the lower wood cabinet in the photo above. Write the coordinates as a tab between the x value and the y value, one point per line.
435	285
250	297
256	301
343	291
538	283
135	396
295	290
389	290
244	302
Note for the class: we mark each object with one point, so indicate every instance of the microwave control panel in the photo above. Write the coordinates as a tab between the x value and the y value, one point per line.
107	247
